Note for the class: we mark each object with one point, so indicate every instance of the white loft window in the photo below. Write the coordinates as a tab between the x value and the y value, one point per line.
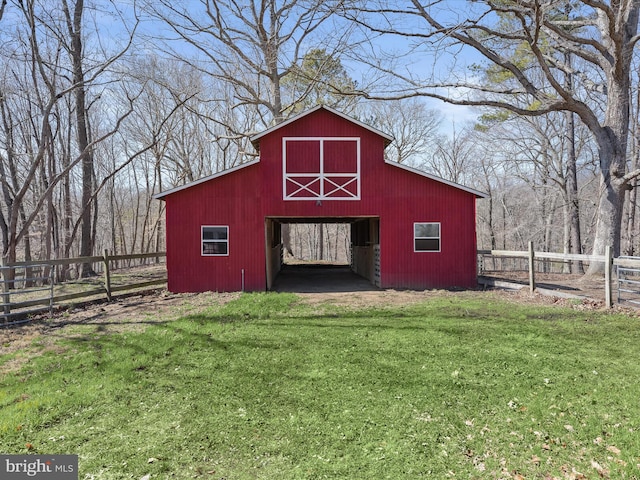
215	240
321	168
426	237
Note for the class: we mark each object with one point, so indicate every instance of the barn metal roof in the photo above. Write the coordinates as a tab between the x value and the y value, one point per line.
477	193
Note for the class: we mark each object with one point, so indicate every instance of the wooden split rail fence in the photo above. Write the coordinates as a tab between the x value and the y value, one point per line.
38	279
42	278
627	269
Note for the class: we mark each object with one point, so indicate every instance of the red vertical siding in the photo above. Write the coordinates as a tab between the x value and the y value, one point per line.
242	199
230	202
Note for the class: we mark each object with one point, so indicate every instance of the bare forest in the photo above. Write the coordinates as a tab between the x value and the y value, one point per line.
104	104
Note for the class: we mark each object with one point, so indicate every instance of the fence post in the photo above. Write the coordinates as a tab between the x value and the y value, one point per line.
608	298
532	275
107	274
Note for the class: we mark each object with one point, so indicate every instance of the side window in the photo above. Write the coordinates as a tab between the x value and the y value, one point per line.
215	240
426	237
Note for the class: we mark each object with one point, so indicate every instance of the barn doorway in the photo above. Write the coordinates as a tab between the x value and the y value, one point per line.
316	243
322	254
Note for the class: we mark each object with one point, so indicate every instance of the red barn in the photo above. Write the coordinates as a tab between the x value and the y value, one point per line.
409	229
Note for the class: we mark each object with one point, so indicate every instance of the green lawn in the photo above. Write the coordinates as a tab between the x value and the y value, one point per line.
459	386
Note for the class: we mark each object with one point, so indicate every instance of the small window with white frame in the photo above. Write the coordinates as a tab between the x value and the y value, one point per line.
215	240
426	237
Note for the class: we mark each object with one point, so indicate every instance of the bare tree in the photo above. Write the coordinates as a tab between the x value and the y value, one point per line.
547	152
452	156
41	81
251	46
414	127
600	95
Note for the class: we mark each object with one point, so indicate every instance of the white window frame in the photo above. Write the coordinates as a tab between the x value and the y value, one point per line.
321	176
439	237
203	241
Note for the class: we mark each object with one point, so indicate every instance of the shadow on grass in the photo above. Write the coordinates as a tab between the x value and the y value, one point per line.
287	319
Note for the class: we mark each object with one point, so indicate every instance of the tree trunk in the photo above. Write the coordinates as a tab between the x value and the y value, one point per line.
271	49
632	199
82	130
630	248
67	212
4	228
610	206
9	274
159	231
50	231
28	271
612	149
573	206
612	135
548	230
608	223
286	239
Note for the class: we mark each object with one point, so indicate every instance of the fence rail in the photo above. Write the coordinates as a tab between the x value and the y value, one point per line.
32	274
562	257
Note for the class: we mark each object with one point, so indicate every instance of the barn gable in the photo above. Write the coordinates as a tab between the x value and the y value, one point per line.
255	139
409	229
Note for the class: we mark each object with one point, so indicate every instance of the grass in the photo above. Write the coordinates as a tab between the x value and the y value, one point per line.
460	386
